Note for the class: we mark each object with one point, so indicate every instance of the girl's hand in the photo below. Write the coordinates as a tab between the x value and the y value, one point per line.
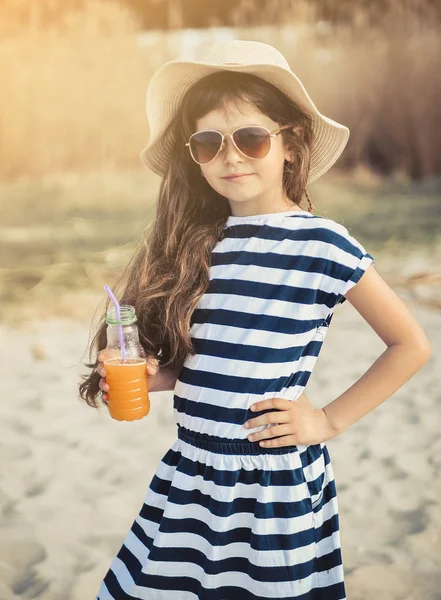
297	422
152	367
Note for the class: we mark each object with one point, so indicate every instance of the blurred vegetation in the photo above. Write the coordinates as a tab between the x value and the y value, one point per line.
169	14
63	237
74	195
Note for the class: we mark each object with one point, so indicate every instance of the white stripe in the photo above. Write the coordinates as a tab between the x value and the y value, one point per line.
259	274
224	429
243	368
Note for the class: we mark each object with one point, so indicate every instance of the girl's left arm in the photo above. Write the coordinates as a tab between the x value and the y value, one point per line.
408	349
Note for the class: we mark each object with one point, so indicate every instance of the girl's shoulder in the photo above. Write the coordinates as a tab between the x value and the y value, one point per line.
334	237
342	258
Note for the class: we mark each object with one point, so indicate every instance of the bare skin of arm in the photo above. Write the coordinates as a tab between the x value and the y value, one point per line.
408	349
164	380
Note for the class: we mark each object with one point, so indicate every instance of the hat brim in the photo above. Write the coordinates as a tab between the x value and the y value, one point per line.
171	81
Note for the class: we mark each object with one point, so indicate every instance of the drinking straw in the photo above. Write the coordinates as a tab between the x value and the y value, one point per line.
118	316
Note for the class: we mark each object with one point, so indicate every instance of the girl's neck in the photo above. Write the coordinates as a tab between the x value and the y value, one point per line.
265	212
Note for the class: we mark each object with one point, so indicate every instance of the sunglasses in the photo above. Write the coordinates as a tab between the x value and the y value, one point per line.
254	141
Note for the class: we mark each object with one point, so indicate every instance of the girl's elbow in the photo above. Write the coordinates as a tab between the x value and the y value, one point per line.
424	350
418	350
428	351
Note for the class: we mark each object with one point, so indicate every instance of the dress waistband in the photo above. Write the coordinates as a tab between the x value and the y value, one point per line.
223	445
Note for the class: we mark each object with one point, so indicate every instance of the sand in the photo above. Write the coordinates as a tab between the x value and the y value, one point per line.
73	479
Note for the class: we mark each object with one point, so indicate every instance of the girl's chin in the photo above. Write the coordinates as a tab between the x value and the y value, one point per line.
239	190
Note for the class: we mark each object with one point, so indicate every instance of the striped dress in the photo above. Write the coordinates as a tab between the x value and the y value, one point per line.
224	518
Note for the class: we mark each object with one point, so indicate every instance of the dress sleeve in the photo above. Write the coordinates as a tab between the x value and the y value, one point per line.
347	261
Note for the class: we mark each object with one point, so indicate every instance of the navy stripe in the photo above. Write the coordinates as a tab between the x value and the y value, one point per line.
270	323
236	384
276	291
261	510
258	354
286	262
325	231
186	584
215	413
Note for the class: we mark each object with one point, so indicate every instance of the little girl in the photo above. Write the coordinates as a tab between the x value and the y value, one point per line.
235	289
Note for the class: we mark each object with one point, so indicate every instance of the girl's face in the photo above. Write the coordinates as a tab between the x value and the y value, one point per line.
261	191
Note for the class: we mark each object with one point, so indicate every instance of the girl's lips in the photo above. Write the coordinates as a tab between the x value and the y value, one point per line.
237	177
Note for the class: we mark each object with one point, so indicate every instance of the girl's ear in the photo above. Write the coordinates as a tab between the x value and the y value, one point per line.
298	130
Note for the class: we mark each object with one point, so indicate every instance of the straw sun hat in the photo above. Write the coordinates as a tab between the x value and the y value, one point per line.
170	82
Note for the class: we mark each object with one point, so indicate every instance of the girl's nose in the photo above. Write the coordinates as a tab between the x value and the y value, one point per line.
229	150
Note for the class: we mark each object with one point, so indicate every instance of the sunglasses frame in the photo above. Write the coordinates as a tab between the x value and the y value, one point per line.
224	135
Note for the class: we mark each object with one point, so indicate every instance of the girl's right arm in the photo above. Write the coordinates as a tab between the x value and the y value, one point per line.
163	381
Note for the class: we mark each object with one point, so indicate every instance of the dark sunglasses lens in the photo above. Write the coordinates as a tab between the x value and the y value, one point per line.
204	145
252	141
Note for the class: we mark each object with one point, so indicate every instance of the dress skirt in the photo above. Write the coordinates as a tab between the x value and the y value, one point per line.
226	519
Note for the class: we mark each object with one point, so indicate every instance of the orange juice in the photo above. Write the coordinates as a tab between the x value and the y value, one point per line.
128	398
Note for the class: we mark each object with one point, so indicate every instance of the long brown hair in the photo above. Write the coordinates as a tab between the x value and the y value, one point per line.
169	271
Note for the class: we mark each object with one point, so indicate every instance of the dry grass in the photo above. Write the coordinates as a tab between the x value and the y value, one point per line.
73	96
382	82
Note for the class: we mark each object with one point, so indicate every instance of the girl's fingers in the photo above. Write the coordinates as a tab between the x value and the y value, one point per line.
101	371
103	385
152	365
106	353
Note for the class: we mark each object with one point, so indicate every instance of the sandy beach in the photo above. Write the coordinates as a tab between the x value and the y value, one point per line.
76	200
73	479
